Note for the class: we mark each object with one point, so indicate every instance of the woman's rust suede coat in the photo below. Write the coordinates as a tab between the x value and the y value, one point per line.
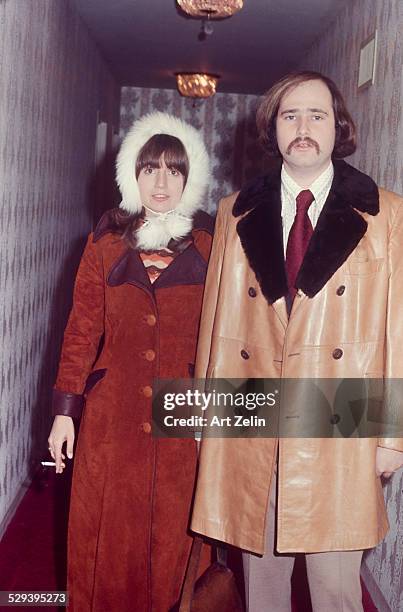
131	493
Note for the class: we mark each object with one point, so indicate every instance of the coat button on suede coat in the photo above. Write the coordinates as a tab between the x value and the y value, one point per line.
341	290
151	320
252	292
146	427
149	355
147	391
244	354
337	353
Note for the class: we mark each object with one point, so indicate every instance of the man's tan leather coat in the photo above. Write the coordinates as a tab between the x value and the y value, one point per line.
346	322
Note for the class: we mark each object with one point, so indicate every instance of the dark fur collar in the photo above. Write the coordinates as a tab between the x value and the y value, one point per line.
338	231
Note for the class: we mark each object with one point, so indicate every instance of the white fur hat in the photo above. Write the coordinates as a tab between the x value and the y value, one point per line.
140	132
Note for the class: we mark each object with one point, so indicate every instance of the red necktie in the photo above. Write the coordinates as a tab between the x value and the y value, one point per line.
298	240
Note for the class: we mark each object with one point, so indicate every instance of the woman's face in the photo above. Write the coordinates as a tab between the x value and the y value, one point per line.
160	188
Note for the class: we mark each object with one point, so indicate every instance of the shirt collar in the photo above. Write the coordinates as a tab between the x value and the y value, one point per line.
318	187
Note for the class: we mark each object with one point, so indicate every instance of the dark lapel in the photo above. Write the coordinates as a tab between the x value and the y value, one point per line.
129	268
261	234
188	268
338	230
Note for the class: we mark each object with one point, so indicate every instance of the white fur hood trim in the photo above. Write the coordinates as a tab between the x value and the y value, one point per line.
140	132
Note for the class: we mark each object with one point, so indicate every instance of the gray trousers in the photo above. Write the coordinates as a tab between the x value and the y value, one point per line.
334	577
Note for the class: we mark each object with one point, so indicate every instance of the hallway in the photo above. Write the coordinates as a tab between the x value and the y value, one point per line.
32	551
74	75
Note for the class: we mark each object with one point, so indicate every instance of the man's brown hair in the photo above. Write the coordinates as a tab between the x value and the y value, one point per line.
345	143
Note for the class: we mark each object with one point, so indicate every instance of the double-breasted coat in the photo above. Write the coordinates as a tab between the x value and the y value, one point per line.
131	494
346	322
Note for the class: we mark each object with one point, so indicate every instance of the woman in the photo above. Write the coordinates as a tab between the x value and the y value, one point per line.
139	287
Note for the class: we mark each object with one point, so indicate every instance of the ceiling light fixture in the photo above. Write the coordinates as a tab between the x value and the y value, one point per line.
196	84
210	9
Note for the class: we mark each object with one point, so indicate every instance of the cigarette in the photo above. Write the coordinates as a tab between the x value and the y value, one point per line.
47	463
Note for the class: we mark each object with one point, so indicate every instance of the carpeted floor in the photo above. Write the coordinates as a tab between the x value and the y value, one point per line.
33	550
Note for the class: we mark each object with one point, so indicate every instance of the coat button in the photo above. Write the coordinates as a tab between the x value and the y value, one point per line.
244	354
146	427
334	419
147	391
149	355
337	353
341	290
252	292
151	320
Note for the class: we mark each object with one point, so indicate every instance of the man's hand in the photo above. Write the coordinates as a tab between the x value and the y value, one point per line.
62	431
388	461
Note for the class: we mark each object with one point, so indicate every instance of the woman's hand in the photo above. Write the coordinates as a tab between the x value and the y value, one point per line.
62	431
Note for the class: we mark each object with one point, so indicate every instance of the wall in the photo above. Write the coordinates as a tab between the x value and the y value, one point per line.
227	122
377	111
53	84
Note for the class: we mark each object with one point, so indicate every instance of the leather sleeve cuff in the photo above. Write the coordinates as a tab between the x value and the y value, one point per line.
391	443
67	404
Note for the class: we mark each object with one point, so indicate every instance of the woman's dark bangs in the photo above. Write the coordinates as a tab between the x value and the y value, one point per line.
174	154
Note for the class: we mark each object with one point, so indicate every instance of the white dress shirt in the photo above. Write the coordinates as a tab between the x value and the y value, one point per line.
289	190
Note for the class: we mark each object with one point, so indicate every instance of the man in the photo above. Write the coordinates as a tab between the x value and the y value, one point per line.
305	281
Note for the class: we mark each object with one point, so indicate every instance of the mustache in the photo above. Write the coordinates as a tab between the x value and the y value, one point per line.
299	139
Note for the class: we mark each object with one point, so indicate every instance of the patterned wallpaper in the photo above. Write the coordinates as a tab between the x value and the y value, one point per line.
227	122
377	111
52	85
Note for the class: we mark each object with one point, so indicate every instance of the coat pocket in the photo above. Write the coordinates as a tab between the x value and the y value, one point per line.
364	268
94	379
